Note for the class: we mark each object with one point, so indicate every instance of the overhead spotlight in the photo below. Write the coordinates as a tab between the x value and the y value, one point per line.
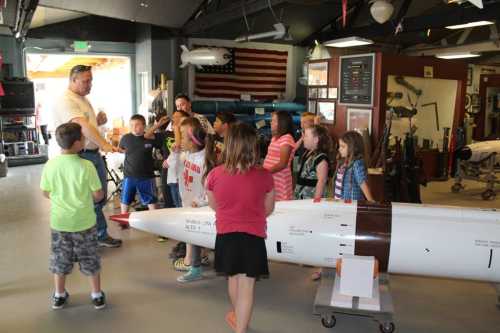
381	10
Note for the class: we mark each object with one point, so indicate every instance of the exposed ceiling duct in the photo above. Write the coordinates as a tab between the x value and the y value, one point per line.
227	14
487	46
24	14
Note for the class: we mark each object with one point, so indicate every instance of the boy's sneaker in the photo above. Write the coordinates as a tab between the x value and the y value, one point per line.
194	274
59	302
205	261
109	242
99	302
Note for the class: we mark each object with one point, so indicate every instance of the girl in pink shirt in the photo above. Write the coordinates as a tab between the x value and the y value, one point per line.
280	154
242	195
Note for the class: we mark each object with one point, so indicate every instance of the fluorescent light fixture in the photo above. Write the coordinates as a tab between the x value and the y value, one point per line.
457	55
470	25
348	42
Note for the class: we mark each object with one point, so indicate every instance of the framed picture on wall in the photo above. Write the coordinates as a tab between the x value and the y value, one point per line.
323	92
359	119
317	73
356	80
326	110
311	107
332	93
313	93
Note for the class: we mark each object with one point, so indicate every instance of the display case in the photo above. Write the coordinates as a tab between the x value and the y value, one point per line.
18	129
321	97
19	139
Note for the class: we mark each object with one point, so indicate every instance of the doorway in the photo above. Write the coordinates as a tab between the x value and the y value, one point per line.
111	86
488	117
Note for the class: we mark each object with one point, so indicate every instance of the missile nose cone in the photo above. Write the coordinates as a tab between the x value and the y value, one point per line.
121	219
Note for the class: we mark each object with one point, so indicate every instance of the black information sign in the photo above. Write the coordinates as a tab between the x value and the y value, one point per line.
356	79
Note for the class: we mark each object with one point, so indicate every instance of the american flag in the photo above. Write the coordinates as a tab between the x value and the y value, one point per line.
259	73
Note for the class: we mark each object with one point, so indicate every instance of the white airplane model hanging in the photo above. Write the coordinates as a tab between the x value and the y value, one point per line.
204	56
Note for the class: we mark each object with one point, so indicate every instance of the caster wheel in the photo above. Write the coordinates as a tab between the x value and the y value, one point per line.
456	188
387	327
328	322
488	194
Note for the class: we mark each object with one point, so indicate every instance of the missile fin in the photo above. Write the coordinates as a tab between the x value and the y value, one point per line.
122	219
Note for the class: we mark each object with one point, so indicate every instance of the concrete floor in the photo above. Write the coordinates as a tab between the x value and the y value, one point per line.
143	295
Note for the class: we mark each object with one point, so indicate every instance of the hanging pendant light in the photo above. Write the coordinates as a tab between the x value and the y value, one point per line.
381	10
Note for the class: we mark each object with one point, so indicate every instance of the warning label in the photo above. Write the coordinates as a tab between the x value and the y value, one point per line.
487	243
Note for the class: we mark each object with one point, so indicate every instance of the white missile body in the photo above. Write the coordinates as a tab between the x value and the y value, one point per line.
204	56
440	241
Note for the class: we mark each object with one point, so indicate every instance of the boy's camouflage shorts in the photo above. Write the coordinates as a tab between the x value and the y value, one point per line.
70	247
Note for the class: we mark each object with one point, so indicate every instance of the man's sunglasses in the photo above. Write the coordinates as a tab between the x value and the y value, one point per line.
80	69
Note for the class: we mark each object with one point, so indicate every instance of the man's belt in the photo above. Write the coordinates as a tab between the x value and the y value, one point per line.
95	151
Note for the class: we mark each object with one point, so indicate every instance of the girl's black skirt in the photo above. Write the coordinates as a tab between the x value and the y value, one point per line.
241	253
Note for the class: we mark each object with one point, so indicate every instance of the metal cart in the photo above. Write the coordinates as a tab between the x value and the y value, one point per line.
324	309
485	170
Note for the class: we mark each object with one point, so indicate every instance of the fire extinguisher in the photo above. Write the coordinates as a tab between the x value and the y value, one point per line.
2	92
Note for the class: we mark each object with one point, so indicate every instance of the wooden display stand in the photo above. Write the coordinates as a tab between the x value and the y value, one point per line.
435	164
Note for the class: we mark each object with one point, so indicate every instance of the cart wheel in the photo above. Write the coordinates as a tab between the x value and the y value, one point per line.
488	194
387	327
456	188
328	322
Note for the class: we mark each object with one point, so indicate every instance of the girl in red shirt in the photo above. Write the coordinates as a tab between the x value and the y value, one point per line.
242	195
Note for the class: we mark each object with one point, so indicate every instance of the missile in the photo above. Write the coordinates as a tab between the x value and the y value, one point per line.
278	33
429	240
479	151
204	56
